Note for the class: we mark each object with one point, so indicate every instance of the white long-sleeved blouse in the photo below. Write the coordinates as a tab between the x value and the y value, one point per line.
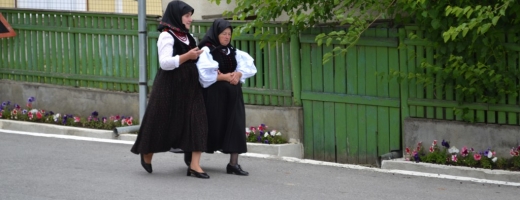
208	68
165	51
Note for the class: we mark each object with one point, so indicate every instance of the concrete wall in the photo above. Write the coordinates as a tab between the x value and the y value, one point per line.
205	7
500	138
82	102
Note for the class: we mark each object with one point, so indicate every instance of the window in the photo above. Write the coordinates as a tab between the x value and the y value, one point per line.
70	5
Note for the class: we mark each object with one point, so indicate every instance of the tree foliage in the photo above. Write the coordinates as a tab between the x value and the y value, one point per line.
475	42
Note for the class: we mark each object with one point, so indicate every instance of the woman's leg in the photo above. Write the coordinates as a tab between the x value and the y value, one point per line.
195	161
233	167
233	159
148	158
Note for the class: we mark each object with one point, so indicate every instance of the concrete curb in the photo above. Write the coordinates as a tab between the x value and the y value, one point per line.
277	150
497	175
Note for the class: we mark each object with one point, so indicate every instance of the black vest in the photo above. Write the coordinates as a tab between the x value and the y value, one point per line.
180	47
226	63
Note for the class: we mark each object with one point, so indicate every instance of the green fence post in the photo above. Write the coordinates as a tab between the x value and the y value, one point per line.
404	85
295	69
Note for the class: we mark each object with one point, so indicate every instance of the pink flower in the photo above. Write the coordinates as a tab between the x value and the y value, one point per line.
260	128
477	156
419	144
247	134
30	115
431	149
76	119
129	121
454	158
89	118
104	120
29	105
494	153
464	151
39	115
1	111
15	112
434	142
407	150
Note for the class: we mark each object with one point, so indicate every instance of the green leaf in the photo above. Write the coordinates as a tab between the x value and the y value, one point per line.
436	23
329	41
495	20
484	28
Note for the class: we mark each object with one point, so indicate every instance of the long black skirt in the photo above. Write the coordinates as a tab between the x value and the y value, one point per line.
226	118
175	116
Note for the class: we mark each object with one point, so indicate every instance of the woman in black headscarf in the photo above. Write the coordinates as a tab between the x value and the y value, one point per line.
222	70
175	116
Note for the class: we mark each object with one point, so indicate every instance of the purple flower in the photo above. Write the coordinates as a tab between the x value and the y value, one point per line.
4	104
16	106
416	157
31	99
95	114
8	102
64	119
51	113
445	144
266	141
262	133
24	111
259	138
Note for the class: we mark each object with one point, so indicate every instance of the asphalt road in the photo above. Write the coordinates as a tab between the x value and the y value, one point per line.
52	168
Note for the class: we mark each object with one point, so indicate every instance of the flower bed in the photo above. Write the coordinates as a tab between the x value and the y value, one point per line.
261	134
450	155
30	114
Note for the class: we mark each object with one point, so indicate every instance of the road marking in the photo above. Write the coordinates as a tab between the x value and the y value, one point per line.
288	159
70	137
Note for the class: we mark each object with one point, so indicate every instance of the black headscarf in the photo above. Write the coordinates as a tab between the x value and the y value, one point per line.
172	17
211	37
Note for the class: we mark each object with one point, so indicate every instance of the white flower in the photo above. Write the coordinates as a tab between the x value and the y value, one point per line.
453	150
273	133
248	130
494	159
34	111
278	133
267	134
56	116
490	154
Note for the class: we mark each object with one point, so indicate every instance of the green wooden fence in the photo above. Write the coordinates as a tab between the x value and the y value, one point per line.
438	103
350	115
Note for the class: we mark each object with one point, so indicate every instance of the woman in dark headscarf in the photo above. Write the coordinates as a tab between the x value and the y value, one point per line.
222	70
175	116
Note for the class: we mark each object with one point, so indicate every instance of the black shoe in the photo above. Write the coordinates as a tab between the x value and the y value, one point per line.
197	174
236	170
146	166
187	158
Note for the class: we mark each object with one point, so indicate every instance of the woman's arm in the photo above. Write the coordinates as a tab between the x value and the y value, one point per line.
208	68
165	50
245	65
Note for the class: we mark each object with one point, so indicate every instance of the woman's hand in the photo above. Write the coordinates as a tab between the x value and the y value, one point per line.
194	53
224	77
235	78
